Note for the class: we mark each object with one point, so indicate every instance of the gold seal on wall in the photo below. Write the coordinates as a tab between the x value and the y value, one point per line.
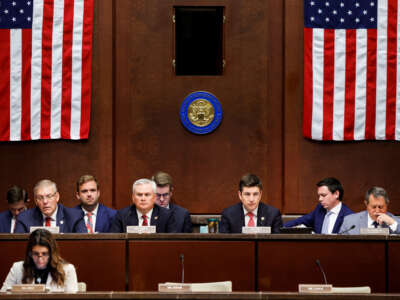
201	112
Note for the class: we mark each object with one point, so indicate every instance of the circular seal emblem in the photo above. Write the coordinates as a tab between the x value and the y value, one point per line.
201	112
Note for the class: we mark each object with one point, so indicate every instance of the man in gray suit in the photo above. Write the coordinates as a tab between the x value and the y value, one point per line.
376	215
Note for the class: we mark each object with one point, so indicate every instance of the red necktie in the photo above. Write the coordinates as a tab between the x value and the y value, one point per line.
48	222
89	224
251	221
144	220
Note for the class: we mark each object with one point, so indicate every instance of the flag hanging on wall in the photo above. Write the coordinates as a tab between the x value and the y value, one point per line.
45	69
351	76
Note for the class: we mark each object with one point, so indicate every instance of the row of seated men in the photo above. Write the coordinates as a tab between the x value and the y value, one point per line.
151	205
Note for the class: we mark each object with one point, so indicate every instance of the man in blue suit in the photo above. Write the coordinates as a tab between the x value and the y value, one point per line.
164	195
144	211
49	213
98	218
376	214
250	211
328	215
17	199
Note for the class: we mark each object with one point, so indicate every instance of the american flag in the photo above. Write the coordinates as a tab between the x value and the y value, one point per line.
351	77
45	69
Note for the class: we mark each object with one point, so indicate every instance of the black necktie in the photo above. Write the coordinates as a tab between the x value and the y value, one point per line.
376	224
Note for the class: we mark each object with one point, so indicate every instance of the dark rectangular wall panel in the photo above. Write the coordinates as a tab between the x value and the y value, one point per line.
393	266
153	262
282	265
148	133
99	263
10	251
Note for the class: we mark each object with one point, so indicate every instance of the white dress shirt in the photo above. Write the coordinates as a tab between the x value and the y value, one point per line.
247	218
140	219
53	222
334	213
94	214
13	220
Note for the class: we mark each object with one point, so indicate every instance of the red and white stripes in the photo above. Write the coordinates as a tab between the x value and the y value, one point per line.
351	80
45	84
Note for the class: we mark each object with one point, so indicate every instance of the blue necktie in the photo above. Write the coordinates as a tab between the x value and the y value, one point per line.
325	225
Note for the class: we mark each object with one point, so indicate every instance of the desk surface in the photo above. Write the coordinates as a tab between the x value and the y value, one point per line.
198	296
276	262
206	236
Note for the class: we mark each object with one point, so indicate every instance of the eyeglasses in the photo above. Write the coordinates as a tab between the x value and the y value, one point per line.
40	254
159	196
47	197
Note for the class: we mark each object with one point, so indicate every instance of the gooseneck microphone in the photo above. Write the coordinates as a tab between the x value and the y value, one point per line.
348	229
182	257
322	270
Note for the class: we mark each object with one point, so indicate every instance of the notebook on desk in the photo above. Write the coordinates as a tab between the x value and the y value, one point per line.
296	230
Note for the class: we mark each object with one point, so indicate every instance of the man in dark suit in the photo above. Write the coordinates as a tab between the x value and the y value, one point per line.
250	211
144	211
164	195
17	199
98	218
328	215
49	213
375	215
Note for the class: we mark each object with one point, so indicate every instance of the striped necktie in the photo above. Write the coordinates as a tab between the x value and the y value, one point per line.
144	217
89	224
251	220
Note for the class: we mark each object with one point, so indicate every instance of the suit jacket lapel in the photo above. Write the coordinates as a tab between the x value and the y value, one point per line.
38	218
339	220
364	220
60	218
241	224
99	219
154	216
262	213
319	220
9	218
132	218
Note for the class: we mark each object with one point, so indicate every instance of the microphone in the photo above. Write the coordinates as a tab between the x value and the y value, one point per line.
322	270
348	229
182	257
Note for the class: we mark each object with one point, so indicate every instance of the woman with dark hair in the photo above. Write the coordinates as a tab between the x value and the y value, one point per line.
43	265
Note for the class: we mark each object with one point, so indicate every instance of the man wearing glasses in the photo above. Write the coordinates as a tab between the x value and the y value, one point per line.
49	213
164	195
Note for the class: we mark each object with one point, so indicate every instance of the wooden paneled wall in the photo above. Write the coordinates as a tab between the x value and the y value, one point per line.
136	130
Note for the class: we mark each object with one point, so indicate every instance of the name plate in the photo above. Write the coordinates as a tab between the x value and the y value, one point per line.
52	229
315	288
28	288
141	229
174	287
375	231
258	229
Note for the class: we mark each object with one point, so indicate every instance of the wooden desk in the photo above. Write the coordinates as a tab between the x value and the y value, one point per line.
197	296
92	255
152	262
284	262
393	264
118	262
